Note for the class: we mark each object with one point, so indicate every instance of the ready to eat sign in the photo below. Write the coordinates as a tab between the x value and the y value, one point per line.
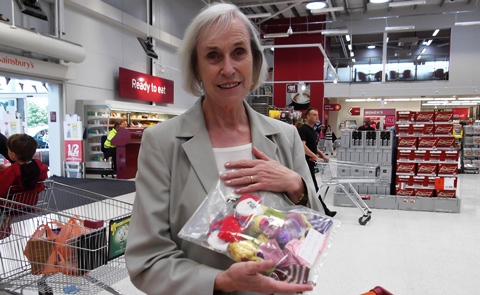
141	86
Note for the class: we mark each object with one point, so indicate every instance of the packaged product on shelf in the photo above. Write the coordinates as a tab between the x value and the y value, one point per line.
262	226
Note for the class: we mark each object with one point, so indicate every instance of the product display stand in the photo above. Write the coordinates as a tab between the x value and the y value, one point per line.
470	155
74	158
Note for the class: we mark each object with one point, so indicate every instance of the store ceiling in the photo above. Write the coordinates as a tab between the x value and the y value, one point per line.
352	9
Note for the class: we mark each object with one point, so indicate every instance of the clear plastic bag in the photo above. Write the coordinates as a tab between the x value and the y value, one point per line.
253	227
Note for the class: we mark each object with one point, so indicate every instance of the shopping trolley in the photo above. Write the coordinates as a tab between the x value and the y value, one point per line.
343	174
85	264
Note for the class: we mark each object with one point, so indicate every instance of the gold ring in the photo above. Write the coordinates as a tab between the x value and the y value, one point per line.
251	179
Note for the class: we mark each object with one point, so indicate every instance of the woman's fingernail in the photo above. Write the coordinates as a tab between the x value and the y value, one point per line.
227	164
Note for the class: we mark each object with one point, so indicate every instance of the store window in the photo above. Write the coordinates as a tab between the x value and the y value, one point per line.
411	56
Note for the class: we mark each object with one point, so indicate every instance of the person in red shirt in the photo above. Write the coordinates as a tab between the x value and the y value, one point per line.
25	172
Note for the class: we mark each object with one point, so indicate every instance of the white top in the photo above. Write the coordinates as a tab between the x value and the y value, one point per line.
234	153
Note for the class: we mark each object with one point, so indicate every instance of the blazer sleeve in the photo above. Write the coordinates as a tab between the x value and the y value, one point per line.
154	261
301	167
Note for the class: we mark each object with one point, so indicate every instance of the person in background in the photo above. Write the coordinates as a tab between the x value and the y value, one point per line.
4	150
220	138
330	138
112	150
366	126
25	172
312	152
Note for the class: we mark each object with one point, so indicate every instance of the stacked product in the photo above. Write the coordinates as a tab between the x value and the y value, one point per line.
471	149
375	147
427	161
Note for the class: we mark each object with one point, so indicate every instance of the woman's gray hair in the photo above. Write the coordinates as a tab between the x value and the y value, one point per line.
221	16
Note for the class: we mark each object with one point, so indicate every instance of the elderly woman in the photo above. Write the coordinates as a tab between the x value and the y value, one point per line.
220	137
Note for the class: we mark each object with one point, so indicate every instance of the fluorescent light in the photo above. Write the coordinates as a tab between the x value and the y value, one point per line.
349	46
347	37
276	35
386	40
399	99
378	1
419	57
334	32
327	10
423	50
419	98
443	98
435	32
316	5
399	28
371	46
351	54
353	60
469	98
429	42
406	3
355	99
258	15
472	23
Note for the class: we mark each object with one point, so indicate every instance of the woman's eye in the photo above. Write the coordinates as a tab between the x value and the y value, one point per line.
212	55
240	52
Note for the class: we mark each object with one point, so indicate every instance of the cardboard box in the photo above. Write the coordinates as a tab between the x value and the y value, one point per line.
443	117
447	169
428	128
424	192
436	156
430	181
449	194
443	129
427	169
407	142
446	142
405	155
450	156
420	155
418	181
445	183
403	181
406	192
406	168
405	116
427	142
404	129
424	117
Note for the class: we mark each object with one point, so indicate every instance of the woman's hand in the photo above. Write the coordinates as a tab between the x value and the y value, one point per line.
263	174
246	276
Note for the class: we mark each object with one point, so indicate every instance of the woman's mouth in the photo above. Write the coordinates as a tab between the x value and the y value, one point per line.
229	86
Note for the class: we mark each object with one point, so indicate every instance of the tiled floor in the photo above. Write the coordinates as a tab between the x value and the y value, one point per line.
406	252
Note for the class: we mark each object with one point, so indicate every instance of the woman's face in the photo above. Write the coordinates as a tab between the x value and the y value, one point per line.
225	63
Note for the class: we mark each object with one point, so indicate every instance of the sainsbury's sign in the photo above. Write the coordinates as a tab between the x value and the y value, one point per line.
141	86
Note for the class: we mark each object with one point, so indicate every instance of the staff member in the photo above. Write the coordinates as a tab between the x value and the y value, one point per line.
109	147
181	159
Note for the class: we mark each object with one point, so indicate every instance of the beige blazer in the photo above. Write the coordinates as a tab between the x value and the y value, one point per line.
176	170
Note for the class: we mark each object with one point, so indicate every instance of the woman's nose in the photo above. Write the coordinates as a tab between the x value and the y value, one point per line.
228	66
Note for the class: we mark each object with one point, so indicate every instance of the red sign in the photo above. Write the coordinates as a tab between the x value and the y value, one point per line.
379	112
332	107
354	111
292	88
53	117
73	151
141	86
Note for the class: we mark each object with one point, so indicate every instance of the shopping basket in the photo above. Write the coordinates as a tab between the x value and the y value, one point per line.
343	174
84	264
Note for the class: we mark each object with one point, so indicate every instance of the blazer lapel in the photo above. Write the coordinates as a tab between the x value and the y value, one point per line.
261	131
197	146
